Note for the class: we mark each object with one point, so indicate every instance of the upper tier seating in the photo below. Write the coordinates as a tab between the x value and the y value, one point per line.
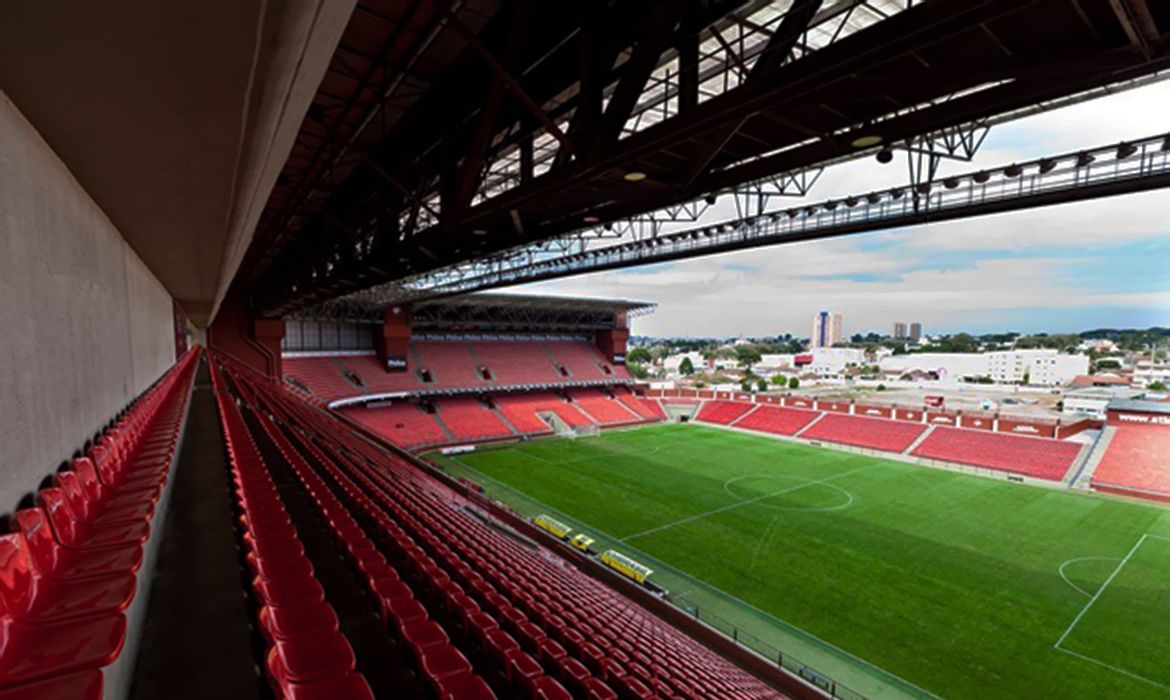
527	623
451	364
1138	457
402	423
777	420
874	433
513	363
585	362
606	410
645	407
521	410
723	412
469	419
1042	458
68	569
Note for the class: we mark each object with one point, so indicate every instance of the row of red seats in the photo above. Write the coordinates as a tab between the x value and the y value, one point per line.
526	610
1043	458
321	376
873	433
777	420
468	418
602	407
402	423
1137	457
521	411
308	657
68	570
723	412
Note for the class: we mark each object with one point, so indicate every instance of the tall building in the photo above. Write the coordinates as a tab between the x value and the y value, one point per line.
899	331
916	331
826	330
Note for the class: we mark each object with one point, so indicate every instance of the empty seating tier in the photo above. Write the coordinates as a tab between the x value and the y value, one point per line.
404	424
517	363
645	407
1042	458
69	568
522	411
452	364
469	418
777	420
482	613
1138	457
723	412
603	408
874	433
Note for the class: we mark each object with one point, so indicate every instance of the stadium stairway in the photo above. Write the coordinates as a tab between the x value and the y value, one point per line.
918	441
1088	466
504	419
750	411
813	422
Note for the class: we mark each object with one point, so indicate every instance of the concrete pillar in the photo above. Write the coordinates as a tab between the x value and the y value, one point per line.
393	341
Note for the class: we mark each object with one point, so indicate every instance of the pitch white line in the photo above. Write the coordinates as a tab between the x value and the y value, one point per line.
1074	561
1068	630
700	516
797	509
1122	671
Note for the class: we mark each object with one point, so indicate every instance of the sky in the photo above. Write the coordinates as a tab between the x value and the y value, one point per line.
1103	263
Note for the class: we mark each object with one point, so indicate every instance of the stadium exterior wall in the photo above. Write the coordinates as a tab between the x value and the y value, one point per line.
86	326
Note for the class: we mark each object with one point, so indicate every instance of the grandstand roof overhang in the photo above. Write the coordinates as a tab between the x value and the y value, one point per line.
449	131
488	312
1138	406
175	117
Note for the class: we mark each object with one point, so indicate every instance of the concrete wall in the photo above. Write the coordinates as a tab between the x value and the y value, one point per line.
84	325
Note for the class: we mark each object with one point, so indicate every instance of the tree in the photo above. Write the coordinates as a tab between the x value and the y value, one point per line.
1108	364
762	384
779	380
793	383
746	385
747	355
641	355
686	367
1156	386
881	387
637	369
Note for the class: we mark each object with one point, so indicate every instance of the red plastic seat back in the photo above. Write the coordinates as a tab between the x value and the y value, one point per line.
87	474
38	535
71	488
64	522
16	576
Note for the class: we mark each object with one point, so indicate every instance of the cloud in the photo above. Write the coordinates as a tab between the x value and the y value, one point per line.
1054	268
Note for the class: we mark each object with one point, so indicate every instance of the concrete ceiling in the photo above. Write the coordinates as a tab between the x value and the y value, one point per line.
175	116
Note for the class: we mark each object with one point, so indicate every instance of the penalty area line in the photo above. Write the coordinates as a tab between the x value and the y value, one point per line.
1113	668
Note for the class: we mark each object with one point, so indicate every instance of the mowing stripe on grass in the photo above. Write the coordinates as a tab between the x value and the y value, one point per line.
1068	630
700	516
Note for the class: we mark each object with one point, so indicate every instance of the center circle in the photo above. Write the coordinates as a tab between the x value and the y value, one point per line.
786	483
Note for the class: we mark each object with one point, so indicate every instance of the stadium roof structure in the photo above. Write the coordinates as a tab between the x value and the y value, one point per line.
1139	406
487	311
448	131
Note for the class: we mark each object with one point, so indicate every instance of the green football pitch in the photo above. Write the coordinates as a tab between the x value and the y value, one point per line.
893	579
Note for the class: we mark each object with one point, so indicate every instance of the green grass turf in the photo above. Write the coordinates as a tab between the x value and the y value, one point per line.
948	581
